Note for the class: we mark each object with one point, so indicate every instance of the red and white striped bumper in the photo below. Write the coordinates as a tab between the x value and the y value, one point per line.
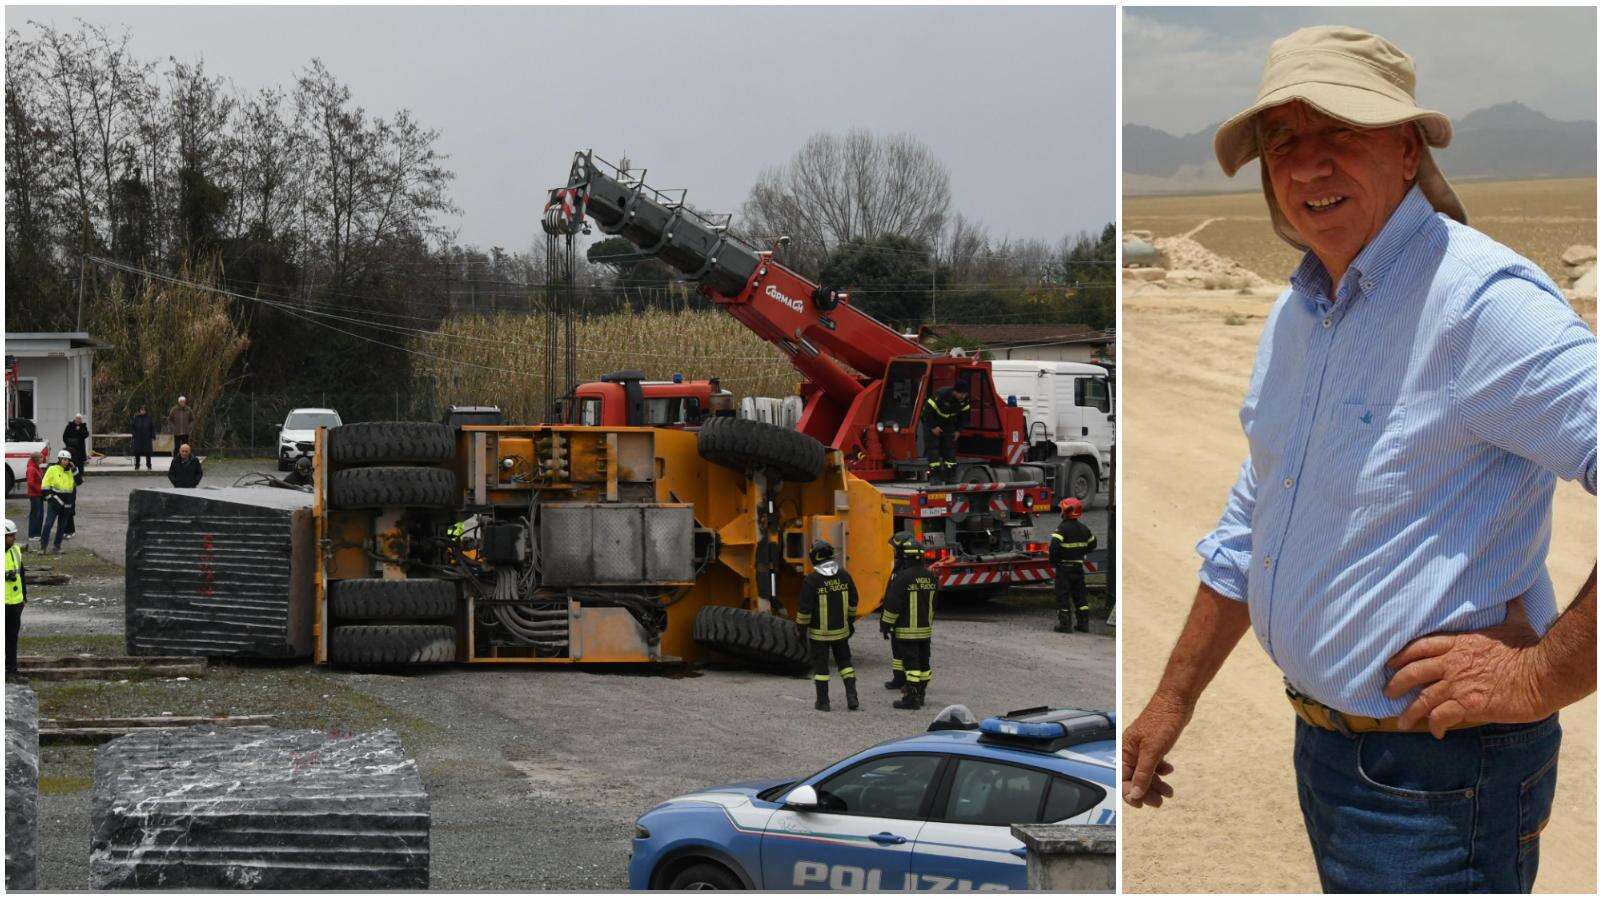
958	576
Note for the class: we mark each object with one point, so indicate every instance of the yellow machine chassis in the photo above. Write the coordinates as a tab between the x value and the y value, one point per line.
597	464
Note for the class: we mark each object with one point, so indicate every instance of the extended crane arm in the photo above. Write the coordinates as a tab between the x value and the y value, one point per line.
819	329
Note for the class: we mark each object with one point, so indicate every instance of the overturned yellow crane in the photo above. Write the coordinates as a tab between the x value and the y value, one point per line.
546	544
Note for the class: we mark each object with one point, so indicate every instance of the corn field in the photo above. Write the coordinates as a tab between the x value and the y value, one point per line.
499	359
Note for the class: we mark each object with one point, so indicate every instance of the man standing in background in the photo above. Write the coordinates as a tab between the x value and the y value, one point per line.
35	496
76	439
60	491
180	424
143	431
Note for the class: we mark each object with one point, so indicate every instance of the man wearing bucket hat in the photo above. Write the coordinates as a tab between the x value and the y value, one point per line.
1417	392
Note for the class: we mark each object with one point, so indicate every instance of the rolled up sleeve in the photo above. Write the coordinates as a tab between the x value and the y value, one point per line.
1523	375
1225	552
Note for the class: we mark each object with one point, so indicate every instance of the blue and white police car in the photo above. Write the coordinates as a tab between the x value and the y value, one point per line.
928	812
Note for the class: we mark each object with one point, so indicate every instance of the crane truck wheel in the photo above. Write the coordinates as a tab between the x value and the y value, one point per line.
391	645
357	599
745	443
370	443
762	638
1082	483
381	486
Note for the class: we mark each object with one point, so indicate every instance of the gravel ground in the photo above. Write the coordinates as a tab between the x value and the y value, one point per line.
536	775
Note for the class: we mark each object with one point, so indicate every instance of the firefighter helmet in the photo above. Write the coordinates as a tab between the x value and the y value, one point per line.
1072	508
821	551
904	544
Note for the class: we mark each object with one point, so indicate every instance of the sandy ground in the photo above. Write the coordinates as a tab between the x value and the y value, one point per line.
536	776
1234	824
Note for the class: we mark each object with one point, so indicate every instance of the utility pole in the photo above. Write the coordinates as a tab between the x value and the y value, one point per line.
933	284
83	268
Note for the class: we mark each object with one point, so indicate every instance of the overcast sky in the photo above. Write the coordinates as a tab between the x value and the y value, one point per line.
1018	103
1186	68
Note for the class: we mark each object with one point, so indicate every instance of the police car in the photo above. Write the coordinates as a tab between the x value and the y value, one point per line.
928	812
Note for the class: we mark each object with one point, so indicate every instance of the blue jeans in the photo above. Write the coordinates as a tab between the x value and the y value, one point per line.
35	516
1405	813
54	518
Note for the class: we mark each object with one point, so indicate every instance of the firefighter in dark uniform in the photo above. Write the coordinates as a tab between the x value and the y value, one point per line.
1070	543
945	416
907	618
827	610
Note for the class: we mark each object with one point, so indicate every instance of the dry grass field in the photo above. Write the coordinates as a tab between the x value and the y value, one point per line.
1539	219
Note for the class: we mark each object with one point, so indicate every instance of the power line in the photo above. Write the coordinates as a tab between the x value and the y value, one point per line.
307	316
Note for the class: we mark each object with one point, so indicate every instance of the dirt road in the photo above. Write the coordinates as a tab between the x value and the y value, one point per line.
1235	824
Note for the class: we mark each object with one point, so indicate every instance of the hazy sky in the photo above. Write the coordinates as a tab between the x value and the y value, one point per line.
1018	103
1186	68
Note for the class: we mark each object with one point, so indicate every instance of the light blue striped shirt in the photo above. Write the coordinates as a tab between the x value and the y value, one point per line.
1405	438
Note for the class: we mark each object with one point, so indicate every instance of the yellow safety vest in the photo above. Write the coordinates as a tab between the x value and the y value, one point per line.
58	479
13	575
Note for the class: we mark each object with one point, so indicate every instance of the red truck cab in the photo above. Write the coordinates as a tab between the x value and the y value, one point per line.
626	398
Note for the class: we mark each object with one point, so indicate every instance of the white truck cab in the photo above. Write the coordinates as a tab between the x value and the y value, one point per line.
1070	418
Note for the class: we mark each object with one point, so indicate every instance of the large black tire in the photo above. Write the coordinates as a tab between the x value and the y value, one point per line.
1082	483
359	599
381	486
764	639
746	443
391	645
372	443
704	876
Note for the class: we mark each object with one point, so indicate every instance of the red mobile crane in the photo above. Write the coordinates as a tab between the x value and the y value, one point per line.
866	386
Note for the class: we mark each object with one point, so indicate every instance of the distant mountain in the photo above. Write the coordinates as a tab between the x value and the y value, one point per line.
1504	141
1510	140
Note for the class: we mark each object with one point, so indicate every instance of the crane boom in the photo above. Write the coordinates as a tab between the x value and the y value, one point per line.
853	401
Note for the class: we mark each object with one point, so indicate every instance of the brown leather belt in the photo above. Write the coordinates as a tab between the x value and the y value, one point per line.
1329	719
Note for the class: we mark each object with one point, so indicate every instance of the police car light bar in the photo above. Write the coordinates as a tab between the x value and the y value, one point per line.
1047	730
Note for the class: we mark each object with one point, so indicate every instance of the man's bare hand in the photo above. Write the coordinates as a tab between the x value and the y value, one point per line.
1493	675
1145	744
937	431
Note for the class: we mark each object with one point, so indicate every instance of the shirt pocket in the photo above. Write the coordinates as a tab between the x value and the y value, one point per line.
1361	455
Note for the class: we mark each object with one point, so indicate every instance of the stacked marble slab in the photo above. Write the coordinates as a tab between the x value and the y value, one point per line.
22	789
229	808
220	572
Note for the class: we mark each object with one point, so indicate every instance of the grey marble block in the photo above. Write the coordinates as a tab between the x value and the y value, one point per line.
22	789
232	808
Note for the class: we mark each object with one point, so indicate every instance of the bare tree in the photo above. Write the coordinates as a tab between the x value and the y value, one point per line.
269	157
858	186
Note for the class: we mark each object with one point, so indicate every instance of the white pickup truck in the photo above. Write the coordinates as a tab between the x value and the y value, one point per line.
1071	423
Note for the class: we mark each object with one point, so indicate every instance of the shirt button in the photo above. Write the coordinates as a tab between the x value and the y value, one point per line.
1288	482
1328	322
1267	563
1366	285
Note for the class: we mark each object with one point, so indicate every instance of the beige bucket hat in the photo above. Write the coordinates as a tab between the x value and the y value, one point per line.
1353	76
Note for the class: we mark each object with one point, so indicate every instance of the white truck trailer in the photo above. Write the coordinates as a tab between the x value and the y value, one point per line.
1070	420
